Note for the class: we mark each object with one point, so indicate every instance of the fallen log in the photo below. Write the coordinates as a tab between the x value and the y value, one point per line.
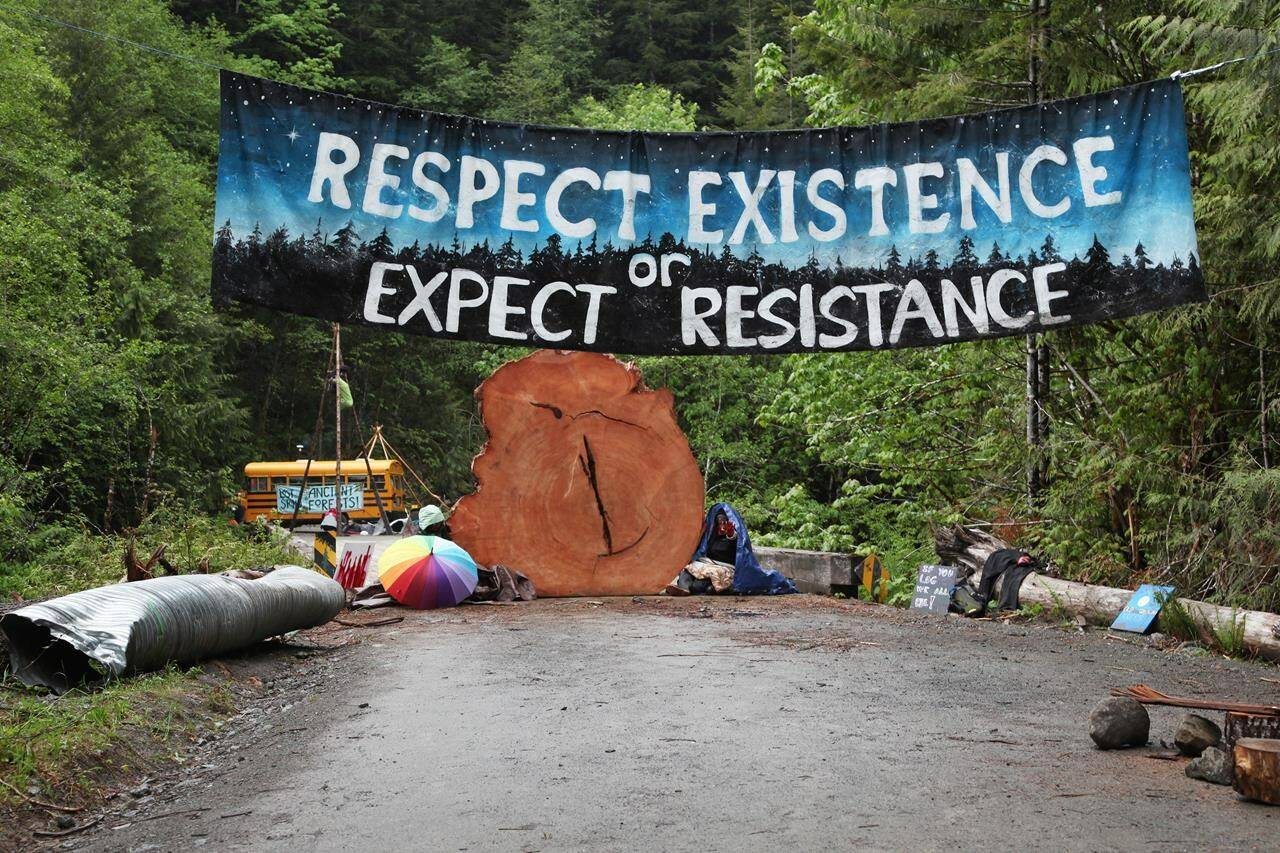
586	483
1100	605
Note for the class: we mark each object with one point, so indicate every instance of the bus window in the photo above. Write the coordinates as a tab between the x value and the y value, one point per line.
257	484
379	482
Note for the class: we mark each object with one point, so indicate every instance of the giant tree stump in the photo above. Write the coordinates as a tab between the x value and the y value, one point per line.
1258	769
586	483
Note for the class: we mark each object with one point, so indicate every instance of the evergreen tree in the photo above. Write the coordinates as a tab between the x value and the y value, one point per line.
292	40
224	236
345	241
1049	251
381	246
318	239
551	65
1098	257
740	105
452	81
1140	259
508	258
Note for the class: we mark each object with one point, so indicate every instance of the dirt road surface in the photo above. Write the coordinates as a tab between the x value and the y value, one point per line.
701	724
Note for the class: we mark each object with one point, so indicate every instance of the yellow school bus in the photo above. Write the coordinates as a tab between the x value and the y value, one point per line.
271	489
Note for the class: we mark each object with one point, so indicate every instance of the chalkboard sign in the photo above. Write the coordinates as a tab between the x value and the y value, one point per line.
933	588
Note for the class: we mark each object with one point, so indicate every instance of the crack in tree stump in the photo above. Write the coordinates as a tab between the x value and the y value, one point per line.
581	457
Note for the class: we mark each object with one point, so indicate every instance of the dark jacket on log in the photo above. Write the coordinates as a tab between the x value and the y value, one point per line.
1004	562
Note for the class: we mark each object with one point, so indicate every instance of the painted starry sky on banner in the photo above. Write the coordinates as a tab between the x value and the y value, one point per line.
274	130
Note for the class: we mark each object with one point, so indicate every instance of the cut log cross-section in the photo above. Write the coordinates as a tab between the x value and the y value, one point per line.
1258	769
586	483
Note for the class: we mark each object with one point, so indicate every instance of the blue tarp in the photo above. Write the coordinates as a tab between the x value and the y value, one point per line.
749	578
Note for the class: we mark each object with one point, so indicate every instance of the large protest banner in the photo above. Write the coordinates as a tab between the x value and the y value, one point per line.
891	235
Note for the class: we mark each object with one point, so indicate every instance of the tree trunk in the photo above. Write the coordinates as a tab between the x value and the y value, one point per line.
1100	605
1258	769
586	483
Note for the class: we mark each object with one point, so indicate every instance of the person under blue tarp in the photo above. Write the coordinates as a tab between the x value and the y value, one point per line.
724	538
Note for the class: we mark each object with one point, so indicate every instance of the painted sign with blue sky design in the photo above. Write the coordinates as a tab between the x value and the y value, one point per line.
890	235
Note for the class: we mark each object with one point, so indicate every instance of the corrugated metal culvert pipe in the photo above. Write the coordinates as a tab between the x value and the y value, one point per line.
91	636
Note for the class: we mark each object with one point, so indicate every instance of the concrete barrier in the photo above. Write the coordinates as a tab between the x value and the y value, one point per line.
817	572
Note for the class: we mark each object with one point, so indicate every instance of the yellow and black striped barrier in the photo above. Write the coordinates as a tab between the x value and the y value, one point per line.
326	552
875	578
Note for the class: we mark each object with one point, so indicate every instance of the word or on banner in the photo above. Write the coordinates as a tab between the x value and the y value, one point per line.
318	498
847	238
933	588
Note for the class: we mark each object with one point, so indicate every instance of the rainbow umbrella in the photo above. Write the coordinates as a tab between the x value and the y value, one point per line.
427	572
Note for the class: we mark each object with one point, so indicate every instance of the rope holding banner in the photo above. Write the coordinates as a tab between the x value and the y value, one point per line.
1180	75
119	39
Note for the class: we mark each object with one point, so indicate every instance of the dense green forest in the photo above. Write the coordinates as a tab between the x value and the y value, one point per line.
128	398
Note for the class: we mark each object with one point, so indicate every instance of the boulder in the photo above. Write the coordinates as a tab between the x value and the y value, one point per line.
1214	766
1119	722
1195	734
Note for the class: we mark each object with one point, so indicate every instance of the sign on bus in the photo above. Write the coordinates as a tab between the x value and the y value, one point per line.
319	498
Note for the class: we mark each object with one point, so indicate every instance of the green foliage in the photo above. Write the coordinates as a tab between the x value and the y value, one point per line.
55	559
742	105
1228	636
292	40
1176	621
456	83
556	43
637	107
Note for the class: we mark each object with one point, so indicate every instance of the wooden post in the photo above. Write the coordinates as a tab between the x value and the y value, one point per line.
337	426
1037	355
1262	405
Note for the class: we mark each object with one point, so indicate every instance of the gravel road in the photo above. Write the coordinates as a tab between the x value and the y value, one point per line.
703	724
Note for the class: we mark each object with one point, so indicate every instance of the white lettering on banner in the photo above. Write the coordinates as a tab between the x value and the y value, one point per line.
469	292
763	206
699	307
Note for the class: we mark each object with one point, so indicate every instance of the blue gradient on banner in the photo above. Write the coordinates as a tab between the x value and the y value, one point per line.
270	134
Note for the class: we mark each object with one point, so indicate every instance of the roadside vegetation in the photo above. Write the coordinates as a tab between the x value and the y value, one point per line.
69	751
58	558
